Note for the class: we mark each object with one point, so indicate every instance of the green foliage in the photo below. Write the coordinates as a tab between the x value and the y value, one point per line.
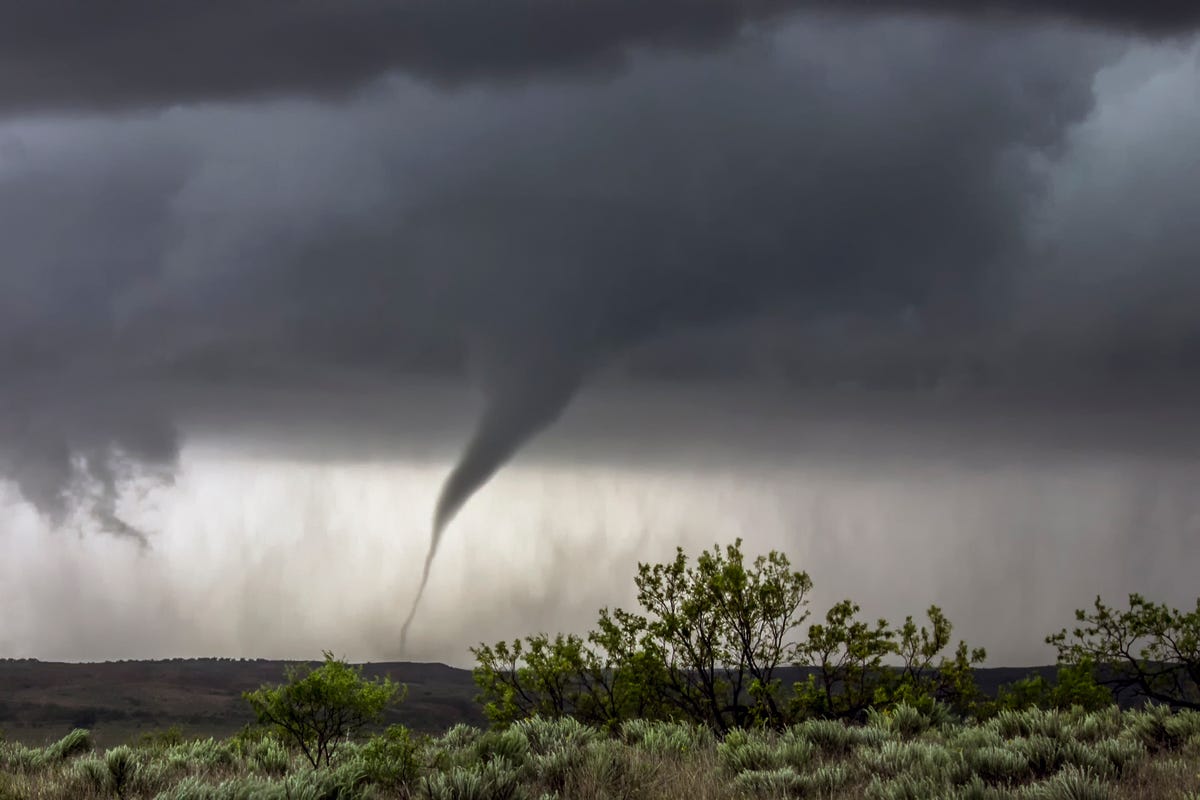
93	773
904	720
905	787
997	765
122	766
269	756
900	753
1070	784
772	783
852	675
392	759
494	780
318	708
1159	729
832	737
745	751
1075	685
706	647
74	743
1148	649
206	754
665	738
539	676
160	740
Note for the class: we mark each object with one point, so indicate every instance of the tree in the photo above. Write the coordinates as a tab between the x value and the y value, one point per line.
1148	650
723	630
848	658
317	708
949	680
706	647
539	676
851	674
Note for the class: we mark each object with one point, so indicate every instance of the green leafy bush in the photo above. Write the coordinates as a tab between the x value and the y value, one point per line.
317	708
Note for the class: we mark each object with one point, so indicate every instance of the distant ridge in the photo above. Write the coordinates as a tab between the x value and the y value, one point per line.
120	700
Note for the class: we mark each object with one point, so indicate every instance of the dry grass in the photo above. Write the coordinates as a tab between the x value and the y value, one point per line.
1073	756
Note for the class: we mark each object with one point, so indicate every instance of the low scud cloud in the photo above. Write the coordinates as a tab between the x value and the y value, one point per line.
962	206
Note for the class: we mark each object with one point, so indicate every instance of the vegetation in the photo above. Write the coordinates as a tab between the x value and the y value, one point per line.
707	646
685	696
319	708
1147	650
900	753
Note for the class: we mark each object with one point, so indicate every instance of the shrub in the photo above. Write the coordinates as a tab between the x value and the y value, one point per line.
317	708
122	764
826	779
1121	753
977	789
772	783
546	735
1158	729
94	774
665	738
510	745
921	759
391	759
1097	725
903	719
832	737
75	743
1070	784
613	769
1043	754
905	787
748	752
205	754
997	764
496	780
270	756
161	740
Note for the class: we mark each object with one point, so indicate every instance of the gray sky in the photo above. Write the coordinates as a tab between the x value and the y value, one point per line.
329	236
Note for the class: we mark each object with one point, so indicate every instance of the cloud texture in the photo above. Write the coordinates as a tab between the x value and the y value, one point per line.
891	200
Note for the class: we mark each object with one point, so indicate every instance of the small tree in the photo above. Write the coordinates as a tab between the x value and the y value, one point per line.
723	629
317	708
539	676
847	655
924	677
1149	650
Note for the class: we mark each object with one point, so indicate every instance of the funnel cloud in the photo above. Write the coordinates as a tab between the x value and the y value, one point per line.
521	400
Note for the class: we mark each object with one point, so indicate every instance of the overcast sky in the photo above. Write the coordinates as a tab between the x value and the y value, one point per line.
908	293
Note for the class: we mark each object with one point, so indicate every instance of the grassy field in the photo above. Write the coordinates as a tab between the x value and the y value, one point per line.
902	755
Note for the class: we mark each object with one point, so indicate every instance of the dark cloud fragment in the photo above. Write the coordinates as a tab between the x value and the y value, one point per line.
75	55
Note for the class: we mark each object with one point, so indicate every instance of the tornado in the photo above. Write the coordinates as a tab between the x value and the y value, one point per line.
519	405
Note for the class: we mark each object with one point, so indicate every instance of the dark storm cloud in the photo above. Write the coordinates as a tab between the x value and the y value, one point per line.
64	55
860	190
